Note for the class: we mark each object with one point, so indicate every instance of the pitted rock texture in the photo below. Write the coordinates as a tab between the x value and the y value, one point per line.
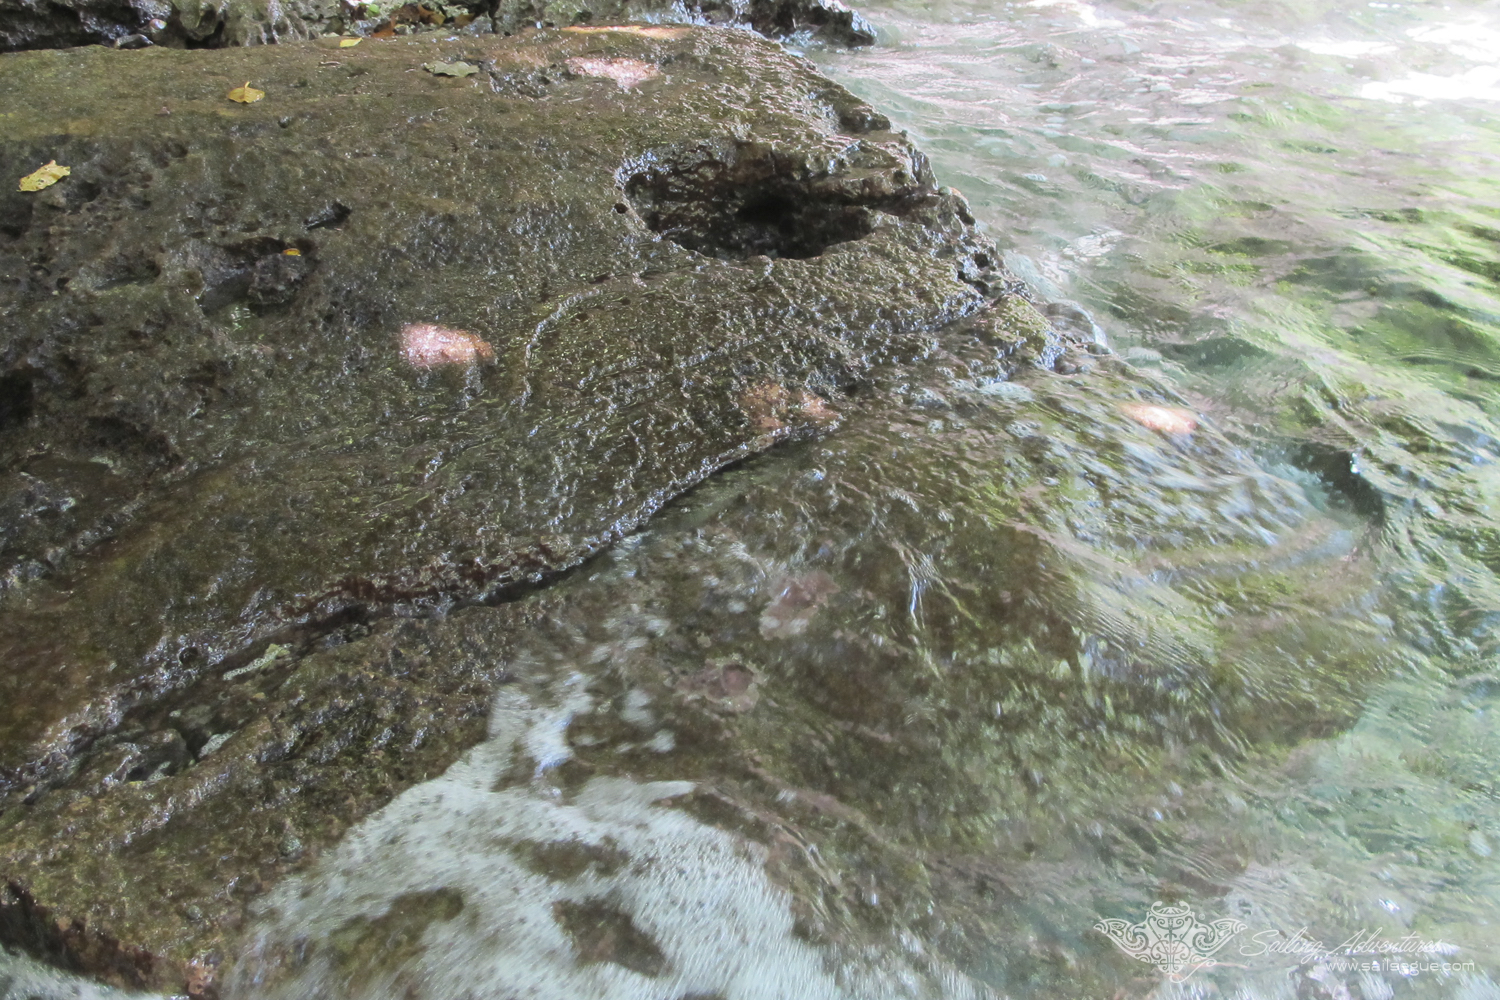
220	454
133	24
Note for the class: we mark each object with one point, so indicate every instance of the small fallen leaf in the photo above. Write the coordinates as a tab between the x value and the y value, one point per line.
292	252
44	177
246	94
348	43
386	30
450	69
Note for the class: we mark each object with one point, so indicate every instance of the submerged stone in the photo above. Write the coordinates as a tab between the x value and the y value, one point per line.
382	343
899	711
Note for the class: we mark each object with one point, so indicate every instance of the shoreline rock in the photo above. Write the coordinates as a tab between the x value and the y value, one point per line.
135	24
234	491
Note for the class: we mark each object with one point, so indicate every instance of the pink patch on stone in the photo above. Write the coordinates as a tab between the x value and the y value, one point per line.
650	30
1167	419
426	345
797	600
625	72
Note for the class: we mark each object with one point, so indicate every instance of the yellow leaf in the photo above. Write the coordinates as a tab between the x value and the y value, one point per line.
246	94
348	43
44	177
292	252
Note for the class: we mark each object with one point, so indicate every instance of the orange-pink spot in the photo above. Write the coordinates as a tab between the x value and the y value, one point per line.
625	72
427	344
650	31
1167	419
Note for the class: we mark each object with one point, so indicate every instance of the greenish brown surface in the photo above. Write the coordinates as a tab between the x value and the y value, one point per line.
211	445
137	867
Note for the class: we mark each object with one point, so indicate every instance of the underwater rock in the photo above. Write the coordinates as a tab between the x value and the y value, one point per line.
903	708
231	477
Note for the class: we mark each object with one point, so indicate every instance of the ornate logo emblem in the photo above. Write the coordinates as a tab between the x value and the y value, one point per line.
1172	939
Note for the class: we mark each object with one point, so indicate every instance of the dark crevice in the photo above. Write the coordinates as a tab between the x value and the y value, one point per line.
50	24
17	399
263	271
1338	470
332	214
741	202
57	26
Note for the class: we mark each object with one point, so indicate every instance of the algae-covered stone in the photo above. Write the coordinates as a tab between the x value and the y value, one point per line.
381	341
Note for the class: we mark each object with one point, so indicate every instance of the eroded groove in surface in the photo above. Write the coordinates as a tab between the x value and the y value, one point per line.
739	200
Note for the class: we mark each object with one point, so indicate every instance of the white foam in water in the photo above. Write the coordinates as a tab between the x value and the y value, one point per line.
1471	40
721	926
24	978
1482	83
1347	49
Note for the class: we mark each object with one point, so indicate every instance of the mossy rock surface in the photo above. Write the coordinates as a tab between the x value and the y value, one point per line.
383	343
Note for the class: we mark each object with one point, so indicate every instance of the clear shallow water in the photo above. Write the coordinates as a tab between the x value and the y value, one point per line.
907	711
1289	212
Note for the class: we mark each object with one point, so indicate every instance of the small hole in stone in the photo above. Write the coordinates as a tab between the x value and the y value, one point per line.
743	202
621	207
